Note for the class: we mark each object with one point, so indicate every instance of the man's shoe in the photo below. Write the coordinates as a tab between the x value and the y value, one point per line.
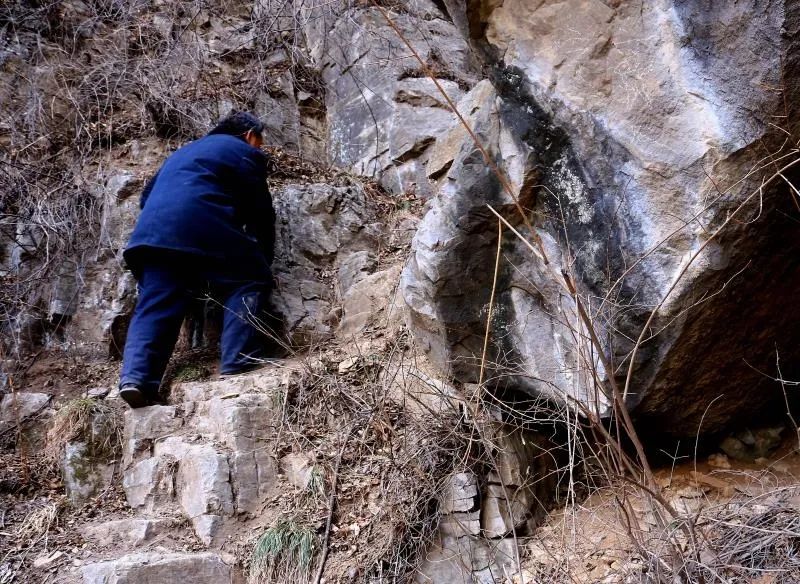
133	396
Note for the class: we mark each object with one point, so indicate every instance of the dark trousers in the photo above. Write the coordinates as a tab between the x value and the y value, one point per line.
167	285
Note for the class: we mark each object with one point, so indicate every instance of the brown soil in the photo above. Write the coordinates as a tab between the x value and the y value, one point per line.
591	541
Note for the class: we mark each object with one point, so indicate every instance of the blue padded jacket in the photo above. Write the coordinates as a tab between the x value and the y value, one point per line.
209	198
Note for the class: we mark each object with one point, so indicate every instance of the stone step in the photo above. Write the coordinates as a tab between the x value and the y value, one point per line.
197	568
207	457
129	533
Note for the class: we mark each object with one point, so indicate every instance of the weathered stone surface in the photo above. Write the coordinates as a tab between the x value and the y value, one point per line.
467	561
16	407
523	458
125	533
619	140
278	108
369	301
447	282
193	393
120	209
97	392
460	524
449	143
208	458
201	568
243	414
749	445
461	494
355	268
106	301
144	425
85	475
382	110
318	228
202	483
503	510
140	482
474	542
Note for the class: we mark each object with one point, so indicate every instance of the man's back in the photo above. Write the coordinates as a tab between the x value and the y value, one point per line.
202	198
206	228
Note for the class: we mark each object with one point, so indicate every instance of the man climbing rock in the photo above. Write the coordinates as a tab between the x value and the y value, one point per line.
207	226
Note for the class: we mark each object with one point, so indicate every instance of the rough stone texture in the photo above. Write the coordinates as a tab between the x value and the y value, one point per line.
474	541
462	494
241	414
371	301
458	553
84	475
202	484
200	568
16	407
125	533
319	228
383	113
618	136
103	295
467	561
354	269
504	509
213	462
749	445
445	282
142	481
145	425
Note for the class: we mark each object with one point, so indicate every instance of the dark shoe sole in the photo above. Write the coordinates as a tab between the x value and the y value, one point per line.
134	397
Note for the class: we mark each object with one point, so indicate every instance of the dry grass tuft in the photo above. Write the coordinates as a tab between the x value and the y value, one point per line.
284	553
382	459
753	539
37	525
87	419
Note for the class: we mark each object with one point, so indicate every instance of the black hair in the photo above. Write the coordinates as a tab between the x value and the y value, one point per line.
238	124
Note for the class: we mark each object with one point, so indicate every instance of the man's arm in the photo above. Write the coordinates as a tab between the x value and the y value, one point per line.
260	215
264	226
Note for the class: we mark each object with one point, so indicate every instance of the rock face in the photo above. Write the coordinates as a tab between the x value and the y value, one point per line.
212	463
383	111
629	141
17	407
84	474
321	230
475	537
125	532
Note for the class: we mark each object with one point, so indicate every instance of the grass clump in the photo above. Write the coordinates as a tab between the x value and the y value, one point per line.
88	420
36	525
316	484
191	372
284	553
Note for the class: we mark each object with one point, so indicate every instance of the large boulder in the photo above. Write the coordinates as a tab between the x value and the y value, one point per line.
628	142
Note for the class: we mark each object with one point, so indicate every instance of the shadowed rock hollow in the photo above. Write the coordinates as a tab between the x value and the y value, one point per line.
631	134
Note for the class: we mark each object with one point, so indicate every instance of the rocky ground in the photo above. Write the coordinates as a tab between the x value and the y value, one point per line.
501	227
358	449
